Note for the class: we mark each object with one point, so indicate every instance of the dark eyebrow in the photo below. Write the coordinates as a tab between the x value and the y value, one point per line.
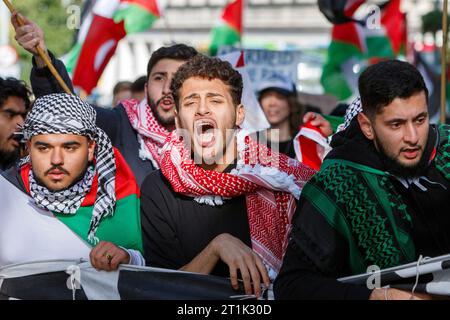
71	144
66	144
14	112
400	120
191	96
423	114
396	120
212	95
40	143
159	73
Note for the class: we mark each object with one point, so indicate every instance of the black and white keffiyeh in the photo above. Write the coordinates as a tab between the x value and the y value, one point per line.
62	113
67	201
352	110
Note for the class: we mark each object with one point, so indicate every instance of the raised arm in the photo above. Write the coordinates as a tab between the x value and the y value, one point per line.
42	81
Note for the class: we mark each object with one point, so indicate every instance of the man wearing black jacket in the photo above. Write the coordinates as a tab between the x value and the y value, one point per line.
380	197
14	104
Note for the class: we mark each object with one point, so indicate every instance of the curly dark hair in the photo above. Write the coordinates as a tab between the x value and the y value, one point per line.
381	83
208	68
11	87
179	51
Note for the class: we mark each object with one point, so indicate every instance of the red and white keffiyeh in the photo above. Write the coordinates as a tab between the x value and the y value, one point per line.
270	181
151	134
311	146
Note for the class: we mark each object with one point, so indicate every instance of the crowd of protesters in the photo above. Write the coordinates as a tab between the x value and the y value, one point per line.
167	178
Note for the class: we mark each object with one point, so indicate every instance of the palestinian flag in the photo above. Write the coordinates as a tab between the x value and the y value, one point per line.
70	59
28	233
355	46
337	11
102	29
427	275
72	280
229	29
138	15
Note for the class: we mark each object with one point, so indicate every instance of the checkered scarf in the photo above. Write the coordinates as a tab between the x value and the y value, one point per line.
352	110
151	134
67	114
66	201
270	181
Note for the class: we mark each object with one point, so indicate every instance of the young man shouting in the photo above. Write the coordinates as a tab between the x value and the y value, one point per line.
220	204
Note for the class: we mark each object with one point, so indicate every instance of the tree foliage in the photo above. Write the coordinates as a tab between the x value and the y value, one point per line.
51	16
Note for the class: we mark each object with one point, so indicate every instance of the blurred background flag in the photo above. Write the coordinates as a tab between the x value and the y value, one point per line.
103	25
255	120
357	43
138	15
228	30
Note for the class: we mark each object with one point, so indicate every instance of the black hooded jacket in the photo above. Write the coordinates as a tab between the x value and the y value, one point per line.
317	255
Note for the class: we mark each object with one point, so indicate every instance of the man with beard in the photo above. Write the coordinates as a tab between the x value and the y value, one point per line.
136	128
221	203
379	197
14	104
83	199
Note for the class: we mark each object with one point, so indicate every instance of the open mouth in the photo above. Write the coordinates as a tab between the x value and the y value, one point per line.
205	132
411	153
166	103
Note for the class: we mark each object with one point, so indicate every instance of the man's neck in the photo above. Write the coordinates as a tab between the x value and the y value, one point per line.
280	132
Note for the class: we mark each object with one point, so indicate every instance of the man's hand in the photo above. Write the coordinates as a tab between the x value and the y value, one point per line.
107	256
240	257
395	294
320	122
29	36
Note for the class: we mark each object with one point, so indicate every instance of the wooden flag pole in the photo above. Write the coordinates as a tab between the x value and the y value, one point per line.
444	63
41	53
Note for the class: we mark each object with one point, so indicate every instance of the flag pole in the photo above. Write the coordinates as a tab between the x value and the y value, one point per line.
169	29
444	62
41	52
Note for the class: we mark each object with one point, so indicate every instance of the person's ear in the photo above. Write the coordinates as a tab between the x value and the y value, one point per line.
366	126
240	115
91	150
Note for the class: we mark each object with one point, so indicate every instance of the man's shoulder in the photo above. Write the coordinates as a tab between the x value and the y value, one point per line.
158	198
116	113
343	169
13	176
444	134
154	183
442	158
336	176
